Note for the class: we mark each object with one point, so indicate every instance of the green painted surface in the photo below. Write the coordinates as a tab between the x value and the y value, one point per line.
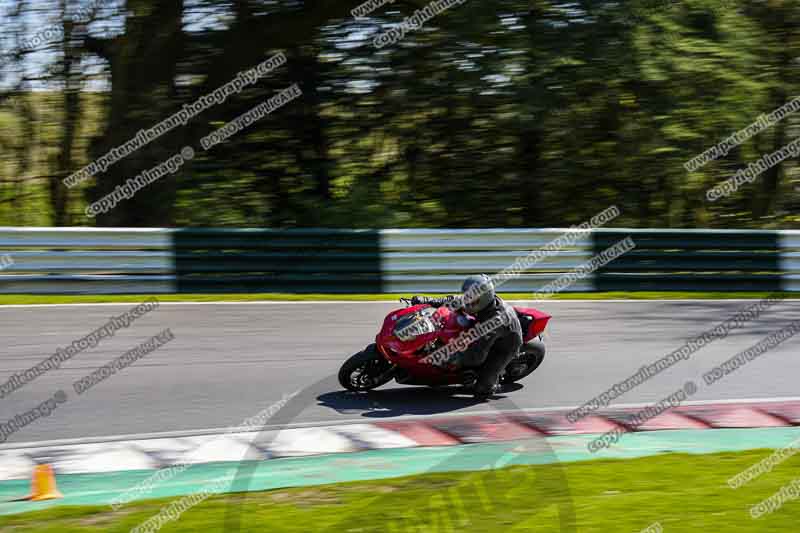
90	489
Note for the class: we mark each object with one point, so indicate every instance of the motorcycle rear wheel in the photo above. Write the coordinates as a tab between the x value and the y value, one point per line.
365	371
531	355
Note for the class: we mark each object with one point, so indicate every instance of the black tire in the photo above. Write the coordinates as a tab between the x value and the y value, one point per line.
530	357
368	362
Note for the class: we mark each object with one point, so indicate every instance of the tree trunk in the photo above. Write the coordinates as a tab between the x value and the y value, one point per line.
71	102
143	68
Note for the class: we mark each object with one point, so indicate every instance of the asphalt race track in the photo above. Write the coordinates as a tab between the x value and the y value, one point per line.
230	361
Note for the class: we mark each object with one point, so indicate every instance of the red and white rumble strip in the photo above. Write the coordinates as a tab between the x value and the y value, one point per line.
115	454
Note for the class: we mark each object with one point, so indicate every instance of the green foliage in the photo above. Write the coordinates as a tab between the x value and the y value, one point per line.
503	113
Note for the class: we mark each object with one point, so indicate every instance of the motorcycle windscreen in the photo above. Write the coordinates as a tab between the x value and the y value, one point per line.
412	326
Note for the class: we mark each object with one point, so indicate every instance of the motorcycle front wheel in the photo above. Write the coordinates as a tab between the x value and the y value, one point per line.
365	370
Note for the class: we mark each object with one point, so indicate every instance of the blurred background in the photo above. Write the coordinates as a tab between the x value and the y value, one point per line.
494	114
467	146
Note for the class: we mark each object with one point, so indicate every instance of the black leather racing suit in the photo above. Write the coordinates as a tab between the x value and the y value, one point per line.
493	350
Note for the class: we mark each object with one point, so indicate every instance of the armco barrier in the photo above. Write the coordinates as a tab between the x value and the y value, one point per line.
87	260
689	260
123	260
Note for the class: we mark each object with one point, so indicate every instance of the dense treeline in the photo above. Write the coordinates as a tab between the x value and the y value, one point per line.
494	113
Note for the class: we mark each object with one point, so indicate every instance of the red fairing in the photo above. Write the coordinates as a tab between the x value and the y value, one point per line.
410	355
536	327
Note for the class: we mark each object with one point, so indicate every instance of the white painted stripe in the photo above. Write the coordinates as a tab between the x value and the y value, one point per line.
16	466
97	458
211	449
162	445
165	451
375	437
309	441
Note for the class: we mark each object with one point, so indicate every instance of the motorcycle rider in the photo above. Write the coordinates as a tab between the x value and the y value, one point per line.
492	352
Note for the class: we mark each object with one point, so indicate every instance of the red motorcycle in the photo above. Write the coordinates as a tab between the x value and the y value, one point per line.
409	335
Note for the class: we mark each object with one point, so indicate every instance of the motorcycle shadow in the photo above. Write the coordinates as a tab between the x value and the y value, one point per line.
402	401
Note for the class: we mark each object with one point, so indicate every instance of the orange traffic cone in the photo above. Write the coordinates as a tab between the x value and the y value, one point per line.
43	484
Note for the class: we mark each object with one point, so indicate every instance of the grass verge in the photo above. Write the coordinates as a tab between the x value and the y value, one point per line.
683	493
44	299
